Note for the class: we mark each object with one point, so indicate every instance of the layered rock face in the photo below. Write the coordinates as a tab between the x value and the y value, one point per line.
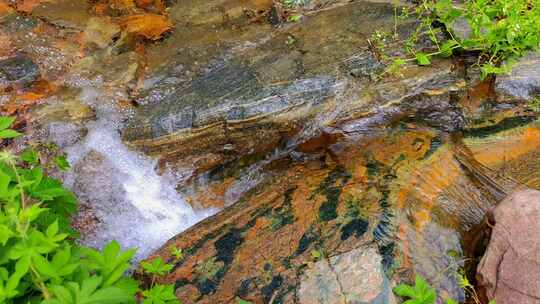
338	183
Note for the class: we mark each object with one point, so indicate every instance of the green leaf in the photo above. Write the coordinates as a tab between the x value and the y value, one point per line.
8	133
157	266
241	301
30	156
404	290
447	48
52	230
5	234
62	162
43	266
422	59
62	294
160	294
6	122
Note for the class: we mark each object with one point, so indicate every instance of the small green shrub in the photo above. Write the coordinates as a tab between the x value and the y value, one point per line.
501	31
422	293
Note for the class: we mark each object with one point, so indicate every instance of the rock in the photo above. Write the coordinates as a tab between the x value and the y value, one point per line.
353	277
100	31
510	268
19	70
73	14
249	92
461	28
15	23
401	189
66	108
523	82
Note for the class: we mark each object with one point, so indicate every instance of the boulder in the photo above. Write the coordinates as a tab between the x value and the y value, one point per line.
523	82
355	277
510	268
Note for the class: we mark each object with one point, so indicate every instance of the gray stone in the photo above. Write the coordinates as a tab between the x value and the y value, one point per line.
355	277
15	23
461	28
510	268
523	82
18	70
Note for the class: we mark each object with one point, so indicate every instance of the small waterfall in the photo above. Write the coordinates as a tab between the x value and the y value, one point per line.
130	202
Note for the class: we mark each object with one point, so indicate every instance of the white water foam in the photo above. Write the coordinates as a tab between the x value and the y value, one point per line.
133	204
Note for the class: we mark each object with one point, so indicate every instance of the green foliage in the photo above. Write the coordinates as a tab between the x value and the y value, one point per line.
500	30
177	253
39	260
294	18
420	293
241	301
5	131
160	294
317	254
156	267
294	3
61	162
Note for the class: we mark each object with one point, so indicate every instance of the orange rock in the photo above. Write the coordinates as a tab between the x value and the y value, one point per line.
123	4
27	6
150	26
5	9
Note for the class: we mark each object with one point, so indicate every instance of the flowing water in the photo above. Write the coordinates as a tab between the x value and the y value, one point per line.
134	205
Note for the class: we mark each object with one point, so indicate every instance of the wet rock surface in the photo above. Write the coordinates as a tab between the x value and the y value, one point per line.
523	82
408	191
353	277
508	270
19	70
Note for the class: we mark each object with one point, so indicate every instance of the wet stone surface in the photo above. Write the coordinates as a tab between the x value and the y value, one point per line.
355	277
19	71
523	82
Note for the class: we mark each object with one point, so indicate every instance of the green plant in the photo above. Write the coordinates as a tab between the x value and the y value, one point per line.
178	253
156	267
39	259
423	293
241	301
420	293
317	254
158	293
294	3
5	131
294	18
500	30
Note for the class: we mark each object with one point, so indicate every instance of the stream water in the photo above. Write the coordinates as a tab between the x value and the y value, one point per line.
134	205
